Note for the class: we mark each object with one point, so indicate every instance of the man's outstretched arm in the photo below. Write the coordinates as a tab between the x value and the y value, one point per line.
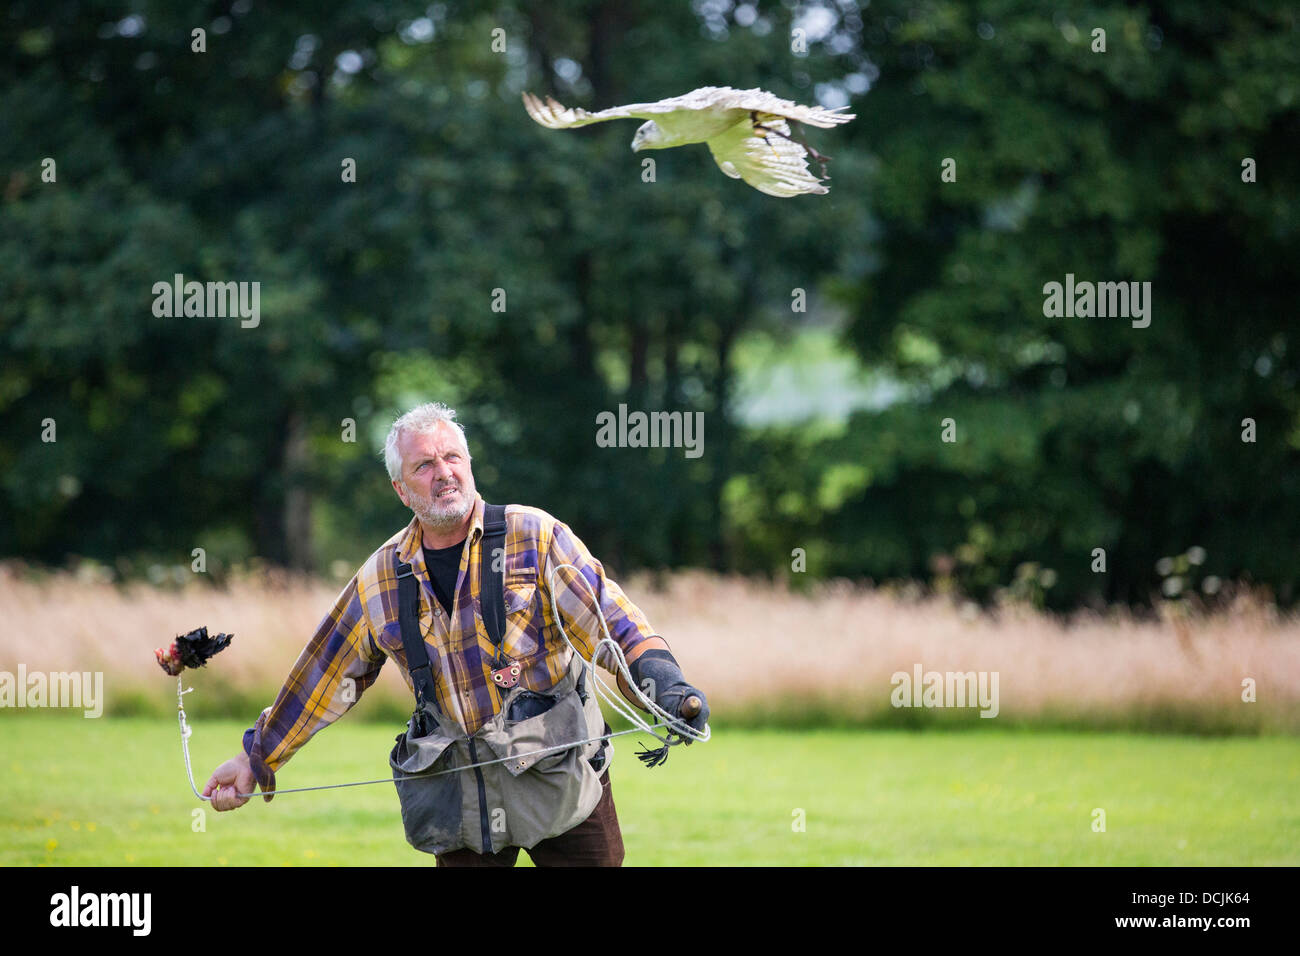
339	662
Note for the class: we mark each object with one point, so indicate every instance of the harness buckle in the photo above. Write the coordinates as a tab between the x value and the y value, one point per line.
507	676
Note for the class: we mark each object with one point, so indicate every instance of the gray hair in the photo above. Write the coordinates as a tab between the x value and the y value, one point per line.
422	419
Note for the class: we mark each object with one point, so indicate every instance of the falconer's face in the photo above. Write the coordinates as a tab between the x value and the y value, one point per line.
437	483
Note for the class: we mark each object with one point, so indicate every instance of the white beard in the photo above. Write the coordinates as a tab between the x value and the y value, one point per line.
435	513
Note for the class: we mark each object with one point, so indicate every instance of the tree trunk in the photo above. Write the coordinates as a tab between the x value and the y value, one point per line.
718	447
638	376
297	496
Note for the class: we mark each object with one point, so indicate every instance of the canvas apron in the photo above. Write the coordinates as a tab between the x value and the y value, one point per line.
519	800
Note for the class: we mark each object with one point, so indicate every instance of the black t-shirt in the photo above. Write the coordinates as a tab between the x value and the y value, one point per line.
444	565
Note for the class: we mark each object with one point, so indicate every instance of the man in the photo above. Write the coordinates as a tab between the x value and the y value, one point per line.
428	463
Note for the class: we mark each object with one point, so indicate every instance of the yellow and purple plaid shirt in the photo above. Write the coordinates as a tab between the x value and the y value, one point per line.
344	656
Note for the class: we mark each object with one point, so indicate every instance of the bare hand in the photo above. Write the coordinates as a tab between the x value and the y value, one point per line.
232	778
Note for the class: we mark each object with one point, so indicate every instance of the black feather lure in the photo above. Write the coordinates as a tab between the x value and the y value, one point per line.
191	650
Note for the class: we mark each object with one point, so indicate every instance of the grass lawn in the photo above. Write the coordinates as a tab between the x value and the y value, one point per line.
112	791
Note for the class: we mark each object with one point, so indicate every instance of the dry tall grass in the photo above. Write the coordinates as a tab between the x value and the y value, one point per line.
759	651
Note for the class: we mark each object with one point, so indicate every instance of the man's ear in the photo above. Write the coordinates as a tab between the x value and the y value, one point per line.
397	487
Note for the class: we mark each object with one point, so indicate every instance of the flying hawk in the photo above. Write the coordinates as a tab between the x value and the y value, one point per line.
746	131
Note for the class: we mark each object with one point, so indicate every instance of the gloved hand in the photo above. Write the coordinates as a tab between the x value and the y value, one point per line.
672	699
658	676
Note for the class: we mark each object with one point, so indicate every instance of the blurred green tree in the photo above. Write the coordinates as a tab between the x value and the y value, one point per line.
1072	433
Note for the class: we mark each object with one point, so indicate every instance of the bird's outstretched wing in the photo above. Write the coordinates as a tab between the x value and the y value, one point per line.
761	101
712	98
776	165
555	115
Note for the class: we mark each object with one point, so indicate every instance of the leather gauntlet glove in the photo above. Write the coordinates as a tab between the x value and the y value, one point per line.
659	677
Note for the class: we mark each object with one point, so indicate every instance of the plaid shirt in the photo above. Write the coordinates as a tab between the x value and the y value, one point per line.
361	631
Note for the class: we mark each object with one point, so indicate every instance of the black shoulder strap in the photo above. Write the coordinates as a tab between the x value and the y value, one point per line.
408	616
492	598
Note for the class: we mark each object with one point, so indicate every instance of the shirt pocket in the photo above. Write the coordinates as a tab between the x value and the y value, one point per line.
389	637
523	613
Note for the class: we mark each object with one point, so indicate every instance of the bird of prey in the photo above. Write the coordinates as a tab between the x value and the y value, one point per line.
747	131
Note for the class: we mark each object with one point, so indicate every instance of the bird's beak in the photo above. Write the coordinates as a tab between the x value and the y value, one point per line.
636	147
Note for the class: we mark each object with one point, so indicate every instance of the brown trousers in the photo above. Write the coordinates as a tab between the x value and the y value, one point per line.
596	841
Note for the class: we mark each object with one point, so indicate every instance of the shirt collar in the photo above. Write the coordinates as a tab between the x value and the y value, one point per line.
412	543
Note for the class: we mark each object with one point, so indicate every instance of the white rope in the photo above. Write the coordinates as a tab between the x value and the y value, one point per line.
640	725
684	731
186	731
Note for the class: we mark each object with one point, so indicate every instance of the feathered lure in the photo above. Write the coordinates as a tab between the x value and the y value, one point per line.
191	650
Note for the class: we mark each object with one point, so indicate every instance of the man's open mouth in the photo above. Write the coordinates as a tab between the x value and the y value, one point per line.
446	492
